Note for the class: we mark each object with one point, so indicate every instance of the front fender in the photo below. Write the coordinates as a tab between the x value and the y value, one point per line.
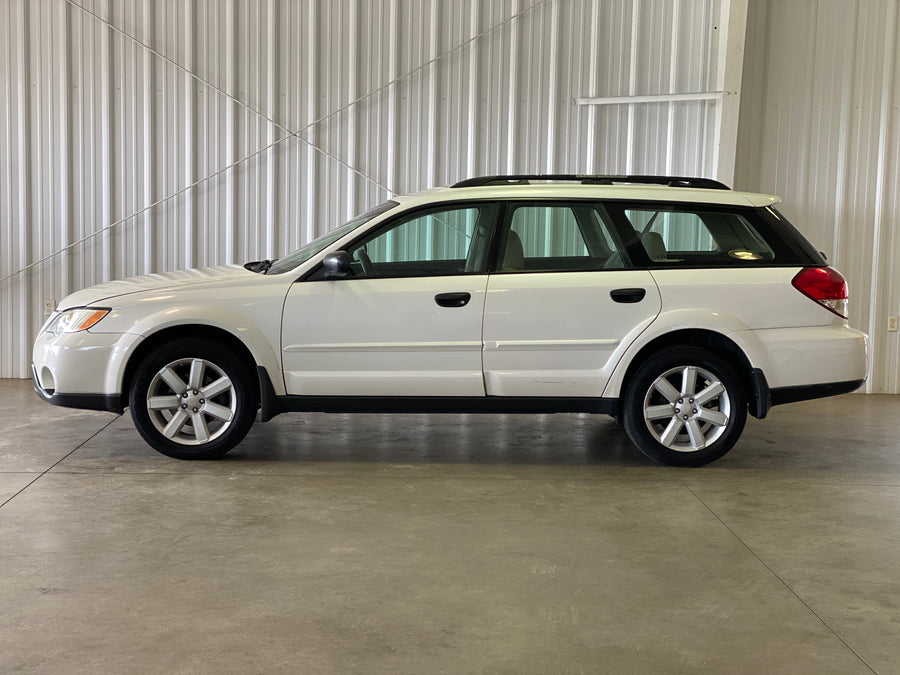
257	342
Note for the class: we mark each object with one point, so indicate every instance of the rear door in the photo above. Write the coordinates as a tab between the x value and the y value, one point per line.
562	302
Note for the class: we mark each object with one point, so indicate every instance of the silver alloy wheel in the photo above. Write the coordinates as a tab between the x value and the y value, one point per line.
191	401
687	408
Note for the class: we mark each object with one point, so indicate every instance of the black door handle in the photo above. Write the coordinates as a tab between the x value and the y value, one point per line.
453	299
628	294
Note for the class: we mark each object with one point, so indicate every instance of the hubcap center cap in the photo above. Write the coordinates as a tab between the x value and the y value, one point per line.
686	410
193	400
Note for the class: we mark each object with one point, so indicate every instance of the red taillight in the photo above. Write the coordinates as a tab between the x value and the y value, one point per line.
825	286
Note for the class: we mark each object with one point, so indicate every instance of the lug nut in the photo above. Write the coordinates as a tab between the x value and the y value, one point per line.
203	401
693	411
685	417
184	395
690	400
184	406
195	410
681	400
197	392
678	410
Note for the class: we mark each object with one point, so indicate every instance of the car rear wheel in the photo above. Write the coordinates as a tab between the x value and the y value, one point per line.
685	406
193	399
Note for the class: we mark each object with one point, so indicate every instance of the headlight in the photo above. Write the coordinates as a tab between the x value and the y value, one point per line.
75	320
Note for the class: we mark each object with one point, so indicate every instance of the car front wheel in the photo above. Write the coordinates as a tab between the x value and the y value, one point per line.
193	399
685	406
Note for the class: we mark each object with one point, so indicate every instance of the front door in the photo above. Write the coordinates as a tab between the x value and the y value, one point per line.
407	322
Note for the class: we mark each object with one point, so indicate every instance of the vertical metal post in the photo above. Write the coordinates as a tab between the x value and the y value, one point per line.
729	68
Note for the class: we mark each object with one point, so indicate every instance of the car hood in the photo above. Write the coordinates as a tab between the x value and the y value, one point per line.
152	282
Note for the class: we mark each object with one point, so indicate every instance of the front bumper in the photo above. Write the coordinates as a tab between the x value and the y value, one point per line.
82	370
108	402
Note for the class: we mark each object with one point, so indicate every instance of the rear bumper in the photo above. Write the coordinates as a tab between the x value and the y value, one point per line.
763	398
807	357
804	393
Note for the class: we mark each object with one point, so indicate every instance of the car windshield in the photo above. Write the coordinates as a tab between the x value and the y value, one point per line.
300	256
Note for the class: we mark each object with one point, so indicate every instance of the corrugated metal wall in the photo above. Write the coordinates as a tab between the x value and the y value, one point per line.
820	125
145	135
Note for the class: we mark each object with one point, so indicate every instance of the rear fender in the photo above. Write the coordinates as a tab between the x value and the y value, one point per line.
671	323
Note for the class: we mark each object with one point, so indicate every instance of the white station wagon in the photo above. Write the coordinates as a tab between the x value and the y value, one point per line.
674	305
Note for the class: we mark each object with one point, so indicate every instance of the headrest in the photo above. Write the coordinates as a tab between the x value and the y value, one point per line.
654	245
514	255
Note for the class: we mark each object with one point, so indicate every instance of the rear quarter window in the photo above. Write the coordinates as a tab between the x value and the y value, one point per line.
678	235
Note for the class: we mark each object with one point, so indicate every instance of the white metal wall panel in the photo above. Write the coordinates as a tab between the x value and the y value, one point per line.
820	115
142	135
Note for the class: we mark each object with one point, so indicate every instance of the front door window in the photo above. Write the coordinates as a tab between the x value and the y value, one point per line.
442	242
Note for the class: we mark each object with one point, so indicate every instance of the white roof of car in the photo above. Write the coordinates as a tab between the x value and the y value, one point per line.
561	190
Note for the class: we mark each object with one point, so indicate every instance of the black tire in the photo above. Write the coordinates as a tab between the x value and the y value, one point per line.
204	422
690	432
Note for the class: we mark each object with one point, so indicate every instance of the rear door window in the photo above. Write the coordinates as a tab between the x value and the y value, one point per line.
559	237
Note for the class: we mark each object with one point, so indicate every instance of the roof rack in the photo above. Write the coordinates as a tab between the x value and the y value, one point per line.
524	179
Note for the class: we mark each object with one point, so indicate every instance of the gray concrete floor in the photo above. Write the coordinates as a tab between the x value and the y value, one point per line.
418	544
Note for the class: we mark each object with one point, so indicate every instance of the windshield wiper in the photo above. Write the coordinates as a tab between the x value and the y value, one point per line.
260	266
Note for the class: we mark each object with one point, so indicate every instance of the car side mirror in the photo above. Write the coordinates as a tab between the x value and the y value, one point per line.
336	265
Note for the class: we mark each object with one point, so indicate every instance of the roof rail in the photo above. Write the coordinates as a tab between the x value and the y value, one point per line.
524	179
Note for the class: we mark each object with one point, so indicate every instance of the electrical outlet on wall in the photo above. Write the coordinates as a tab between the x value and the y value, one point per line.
892	324
49	306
